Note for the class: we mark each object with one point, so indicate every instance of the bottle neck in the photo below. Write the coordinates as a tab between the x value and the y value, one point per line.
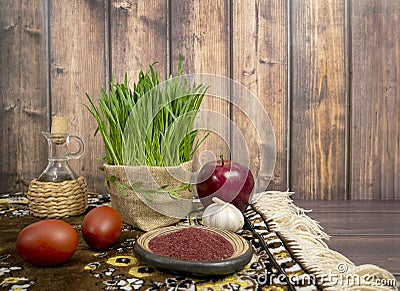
58	151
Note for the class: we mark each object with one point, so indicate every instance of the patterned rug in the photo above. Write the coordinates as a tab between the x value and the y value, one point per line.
289	254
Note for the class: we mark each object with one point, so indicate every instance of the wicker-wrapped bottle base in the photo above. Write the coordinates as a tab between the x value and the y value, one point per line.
57	200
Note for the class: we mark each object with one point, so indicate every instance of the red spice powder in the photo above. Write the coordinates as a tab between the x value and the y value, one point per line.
192	244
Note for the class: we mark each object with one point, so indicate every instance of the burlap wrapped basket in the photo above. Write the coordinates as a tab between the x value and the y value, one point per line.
134	208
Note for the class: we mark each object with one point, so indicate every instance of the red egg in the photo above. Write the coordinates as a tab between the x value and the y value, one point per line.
101	227
47	242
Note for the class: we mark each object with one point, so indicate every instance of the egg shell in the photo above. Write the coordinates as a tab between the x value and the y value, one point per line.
101	227
47	243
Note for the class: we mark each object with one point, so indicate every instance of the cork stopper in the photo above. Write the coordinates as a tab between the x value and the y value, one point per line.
59	129
59	125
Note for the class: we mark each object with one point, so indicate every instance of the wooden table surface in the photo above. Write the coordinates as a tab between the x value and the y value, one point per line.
365	231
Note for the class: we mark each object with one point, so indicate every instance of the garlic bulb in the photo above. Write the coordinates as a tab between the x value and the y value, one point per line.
224	215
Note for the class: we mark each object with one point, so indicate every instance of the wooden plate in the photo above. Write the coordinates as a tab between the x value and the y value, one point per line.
241	256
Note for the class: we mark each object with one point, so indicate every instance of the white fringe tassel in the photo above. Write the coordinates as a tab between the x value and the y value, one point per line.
305	237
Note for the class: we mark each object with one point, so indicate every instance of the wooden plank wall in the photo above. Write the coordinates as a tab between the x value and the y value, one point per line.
327	72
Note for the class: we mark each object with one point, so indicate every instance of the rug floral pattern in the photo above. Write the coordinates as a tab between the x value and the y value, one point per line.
273	267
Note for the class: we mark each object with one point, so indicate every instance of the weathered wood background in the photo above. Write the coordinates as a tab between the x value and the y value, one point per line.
327	73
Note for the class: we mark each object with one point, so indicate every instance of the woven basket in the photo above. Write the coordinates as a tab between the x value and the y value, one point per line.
134	209
57	200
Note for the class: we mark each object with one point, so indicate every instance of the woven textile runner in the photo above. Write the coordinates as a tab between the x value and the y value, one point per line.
289	254
305	240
